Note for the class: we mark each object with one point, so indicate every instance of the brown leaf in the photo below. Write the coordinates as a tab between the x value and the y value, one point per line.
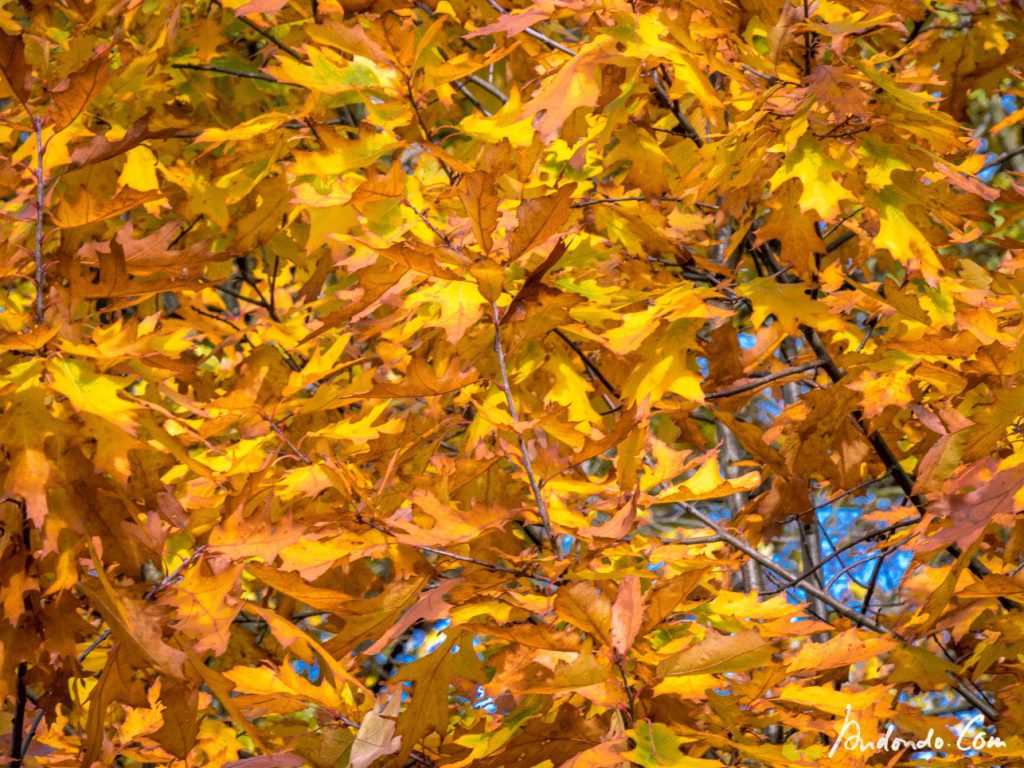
476	191
584	606
992	495
261	6
78	90
534	285
178	733
538	219
423	380
86	208
99	148
15	70
627	614
848	647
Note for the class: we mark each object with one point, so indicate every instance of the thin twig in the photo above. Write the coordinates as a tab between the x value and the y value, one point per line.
425	130
586	362
240	297
281	433
37	125
633	199
840	241
423	217
685	128
762	380
455	556
506	387
488	86
1000	159
234	73
876	556
880	533
869	593
461	88
834	499
832	230
269	36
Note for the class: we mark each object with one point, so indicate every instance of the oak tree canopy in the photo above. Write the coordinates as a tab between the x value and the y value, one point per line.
469	383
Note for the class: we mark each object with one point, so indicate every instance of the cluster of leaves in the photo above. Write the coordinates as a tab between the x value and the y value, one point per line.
453	383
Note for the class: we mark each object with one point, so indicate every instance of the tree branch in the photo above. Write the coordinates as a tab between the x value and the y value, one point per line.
879	443
838	606
18	721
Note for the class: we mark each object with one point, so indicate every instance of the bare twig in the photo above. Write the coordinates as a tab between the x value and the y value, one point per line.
37	125
834	499
271	37
430	225
633	199
762	380
685	128
880	533
840	241
461	88
425	130
281	433
589	365
488	86
497	567
506	387
1002	158
234	73
832	230
240	297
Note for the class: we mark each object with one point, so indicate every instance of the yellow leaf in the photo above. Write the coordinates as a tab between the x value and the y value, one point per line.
204	606
91	392
811	163
247	130
328	72
139	171
898	235
717	653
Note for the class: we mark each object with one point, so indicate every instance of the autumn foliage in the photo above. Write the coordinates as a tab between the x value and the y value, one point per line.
464	383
